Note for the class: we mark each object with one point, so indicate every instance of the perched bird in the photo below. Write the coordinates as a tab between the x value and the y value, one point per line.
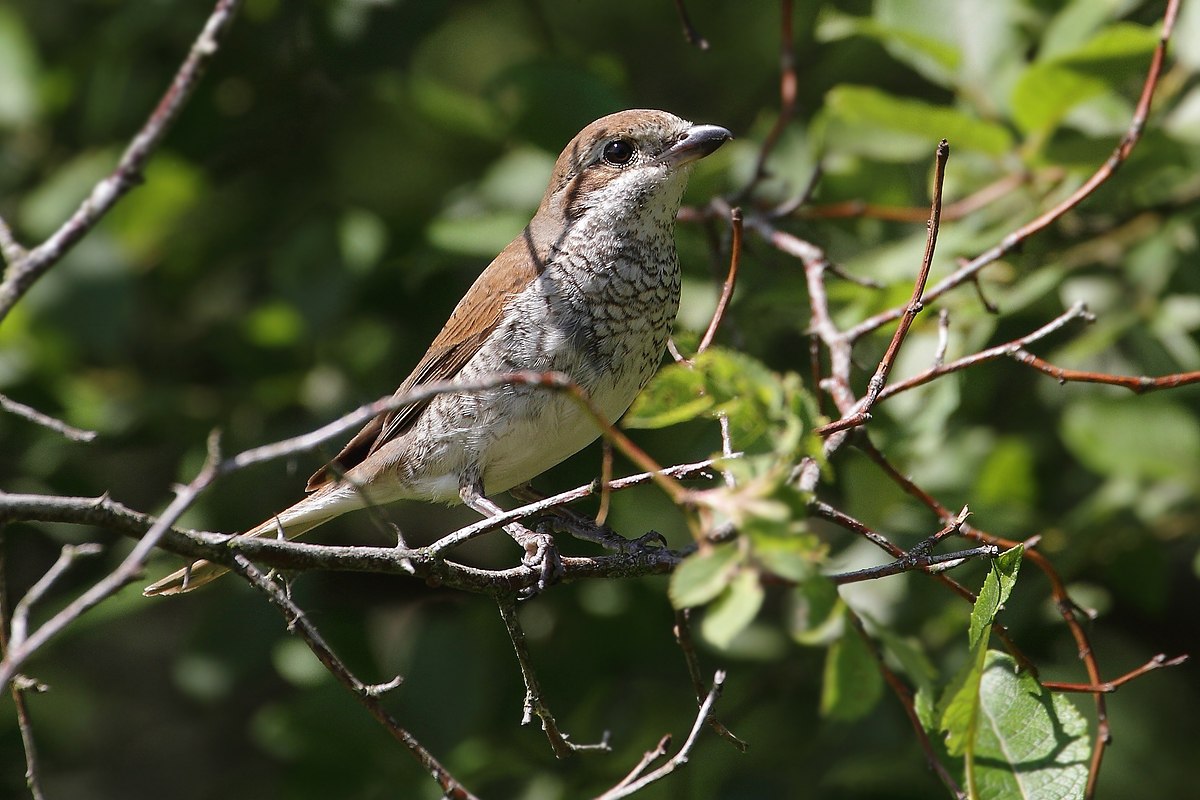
590	289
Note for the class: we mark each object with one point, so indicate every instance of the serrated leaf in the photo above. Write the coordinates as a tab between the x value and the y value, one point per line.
997	586
862	105
703	575
1032	744
853	683
733	610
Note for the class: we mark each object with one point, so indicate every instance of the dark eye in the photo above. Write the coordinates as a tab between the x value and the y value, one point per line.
618	152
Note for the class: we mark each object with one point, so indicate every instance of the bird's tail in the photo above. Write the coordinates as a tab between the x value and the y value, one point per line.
316	509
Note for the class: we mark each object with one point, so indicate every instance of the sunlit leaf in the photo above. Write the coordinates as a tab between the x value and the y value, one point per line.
1112	436
733	610
870	107
1032	744
853	683
996	588
816	616
703	575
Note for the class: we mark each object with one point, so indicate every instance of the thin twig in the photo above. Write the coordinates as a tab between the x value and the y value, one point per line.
128	570
20	614
689	30
680	758
787	95
18	689
1009	349
906	699
535	702
735	257
683	635
863	408
1158	662
45	420
1129	140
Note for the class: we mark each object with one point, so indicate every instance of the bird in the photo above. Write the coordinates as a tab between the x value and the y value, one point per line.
590	289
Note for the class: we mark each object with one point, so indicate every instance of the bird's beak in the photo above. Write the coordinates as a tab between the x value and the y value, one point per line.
695	143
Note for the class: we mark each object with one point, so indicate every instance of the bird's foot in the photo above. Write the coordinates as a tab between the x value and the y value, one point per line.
541	554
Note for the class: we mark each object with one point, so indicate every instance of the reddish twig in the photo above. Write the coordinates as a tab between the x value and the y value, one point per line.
1009	349
787	95
950	213
862	409
1158	662
735	257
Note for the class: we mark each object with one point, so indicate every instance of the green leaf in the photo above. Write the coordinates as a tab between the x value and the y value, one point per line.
959	709
817	614
1032	744
933	58
703	575
734	610
1049	89
1045	93
1112	437
912	658
997	586
18	72
853	682
868	107
675	395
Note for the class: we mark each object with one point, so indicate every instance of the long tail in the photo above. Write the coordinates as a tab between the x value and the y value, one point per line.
316	509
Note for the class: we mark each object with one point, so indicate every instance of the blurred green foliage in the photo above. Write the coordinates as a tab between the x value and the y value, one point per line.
344	171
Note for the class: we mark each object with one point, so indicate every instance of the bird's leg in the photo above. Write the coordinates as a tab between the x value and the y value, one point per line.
581	526
540	551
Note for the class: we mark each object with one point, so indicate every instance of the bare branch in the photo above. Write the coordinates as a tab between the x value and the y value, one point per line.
625	789
535	702
128	570
25	267
46	421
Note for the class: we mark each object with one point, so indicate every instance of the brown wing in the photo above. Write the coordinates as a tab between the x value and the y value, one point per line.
473	319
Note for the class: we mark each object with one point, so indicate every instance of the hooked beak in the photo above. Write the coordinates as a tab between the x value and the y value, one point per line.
695	143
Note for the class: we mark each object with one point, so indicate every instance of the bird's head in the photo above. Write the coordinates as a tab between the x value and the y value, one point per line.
629	164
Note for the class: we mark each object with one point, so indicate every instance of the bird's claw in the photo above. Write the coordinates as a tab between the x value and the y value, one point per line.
541	554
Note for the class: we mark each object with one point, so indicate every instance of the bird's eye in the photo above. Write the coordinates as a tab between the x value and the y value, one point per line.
618	152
